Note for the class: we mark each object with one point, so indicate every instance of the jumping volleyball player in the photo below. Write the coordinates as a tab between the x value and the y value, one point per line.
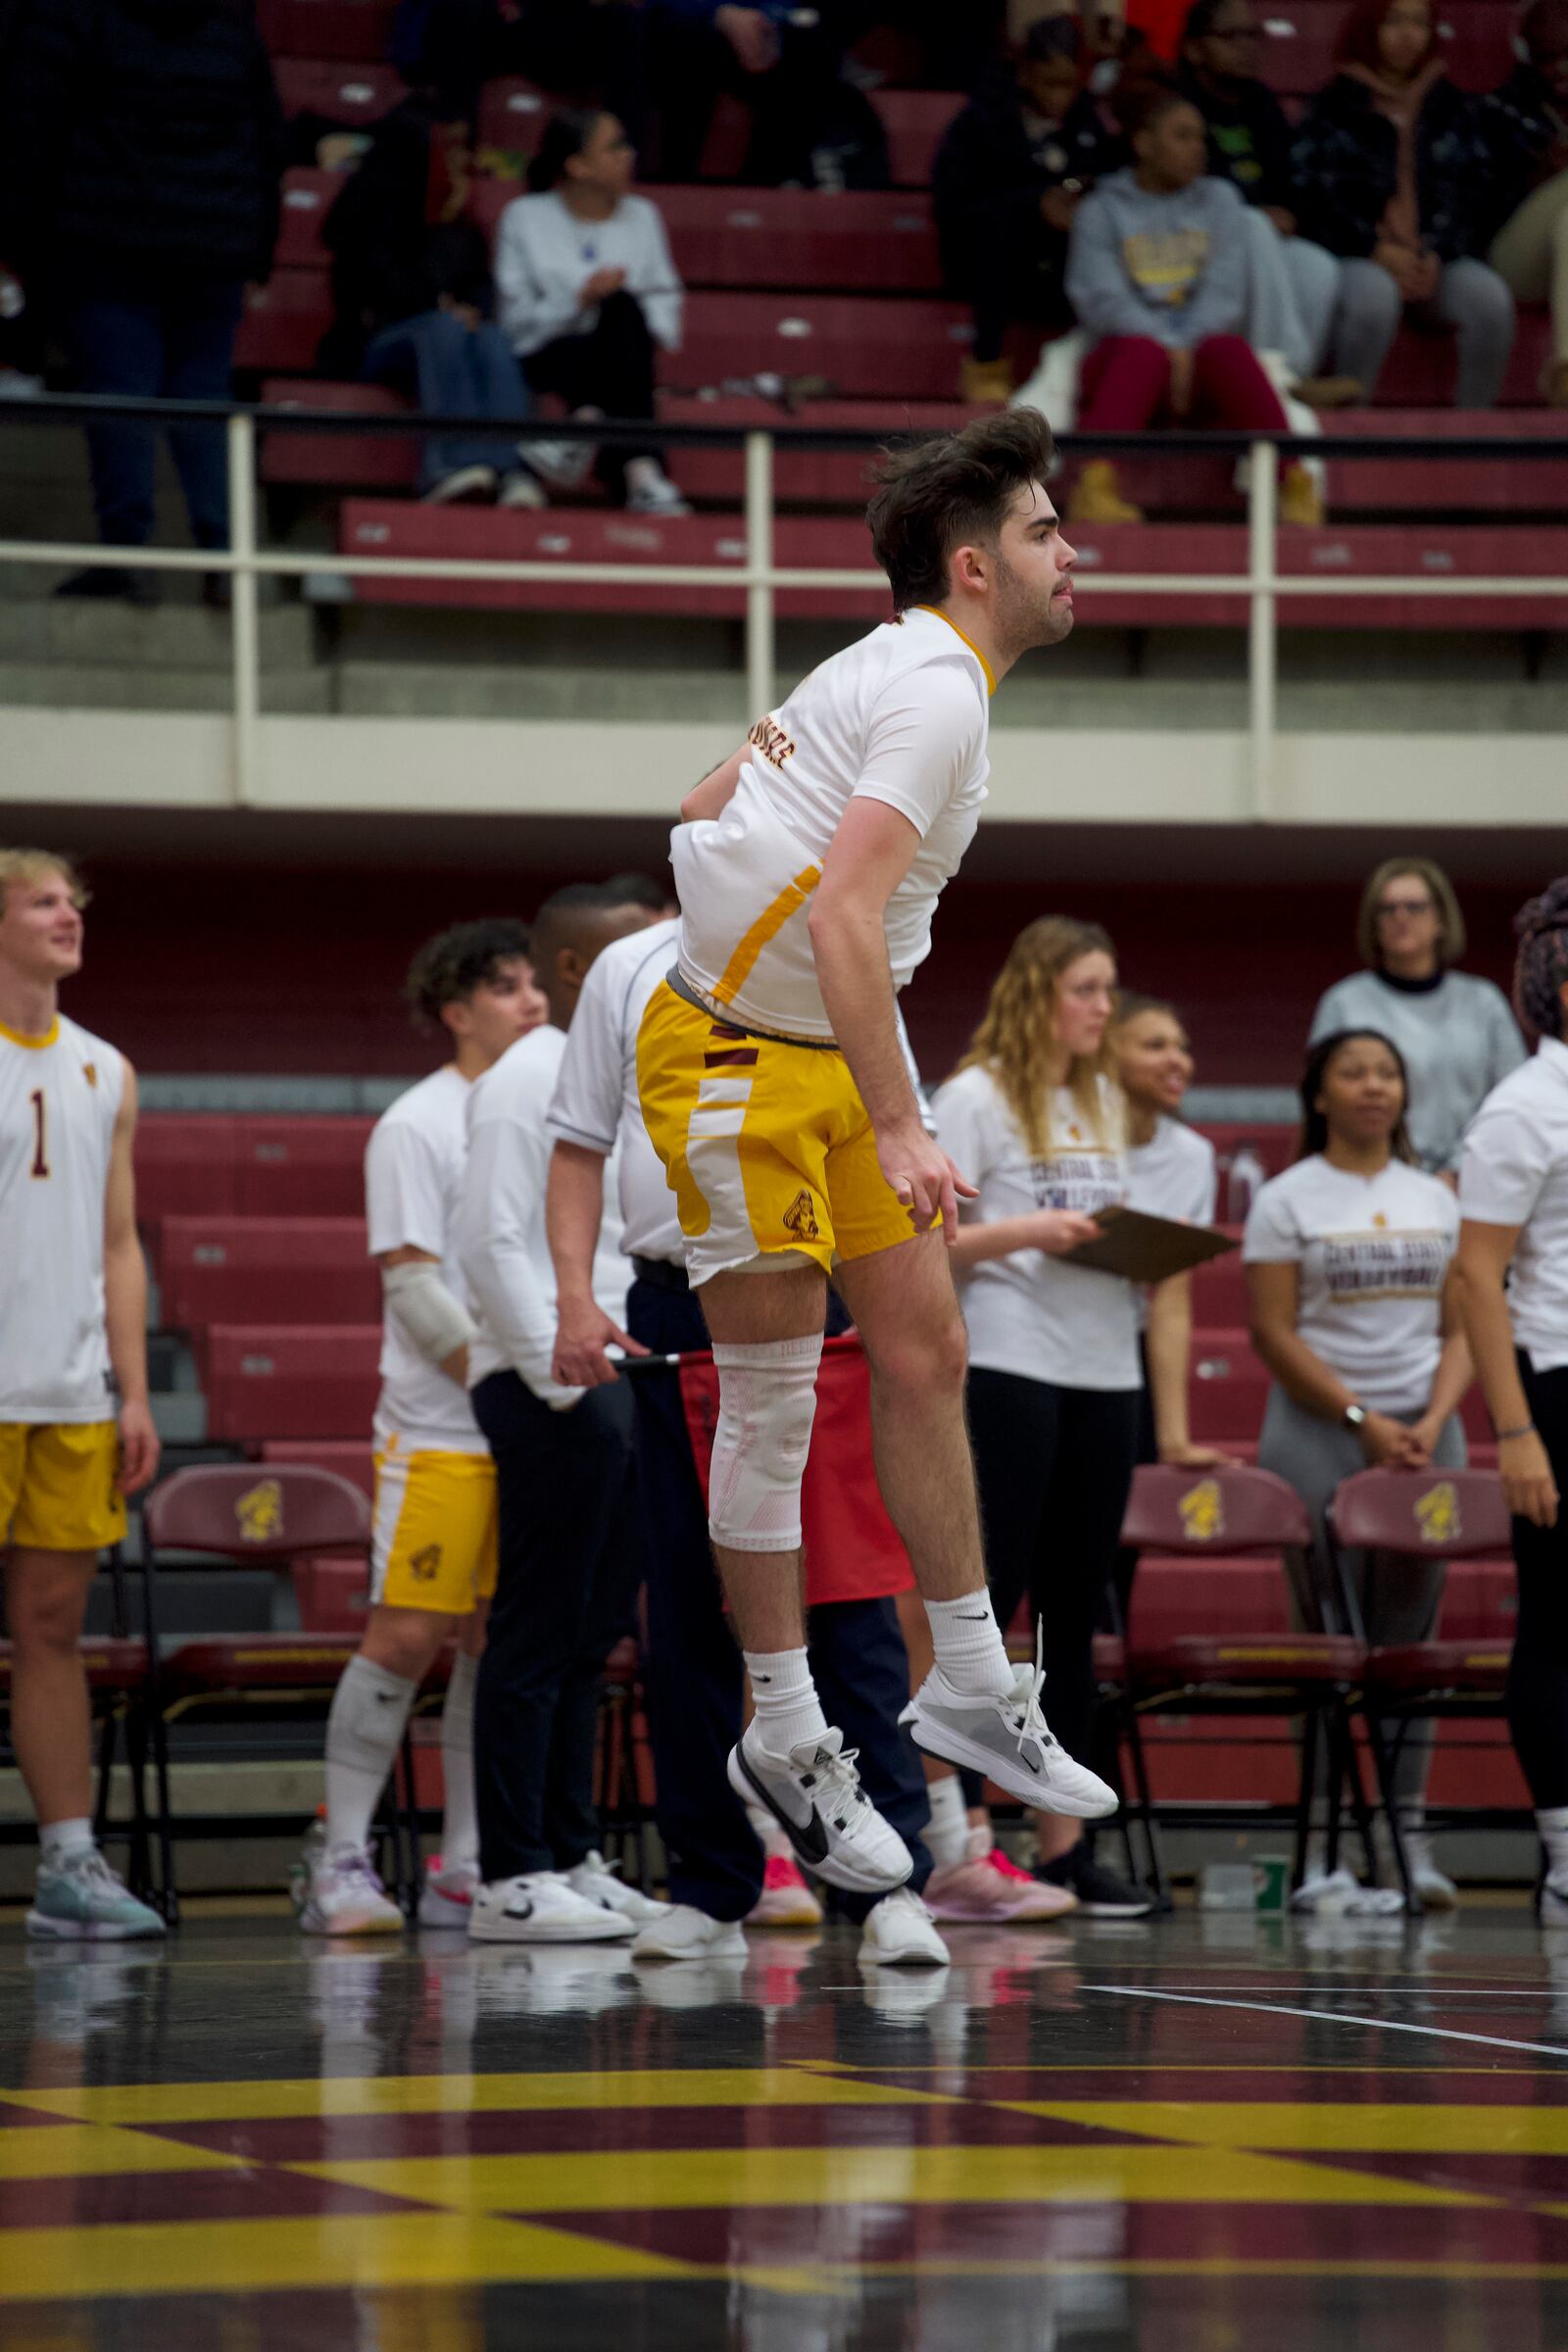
775	1092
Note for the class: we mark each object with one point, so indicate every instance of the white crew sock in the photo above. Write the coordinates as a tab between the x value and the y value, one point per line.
363	1732
788	1709
765	1830
971	1655
1552	1823
63	1838
947	1832
459	1826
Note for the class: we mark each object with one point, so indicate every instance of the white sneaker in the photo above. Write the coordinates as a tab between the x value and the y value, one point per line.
342	1896
1009	1741
1552	1905
565	464
814	1795
1436	1890
650	490
683	1933
469	487
447	1896
1335	1895
79	1900
598	1882
541	1907
900	1933
522	489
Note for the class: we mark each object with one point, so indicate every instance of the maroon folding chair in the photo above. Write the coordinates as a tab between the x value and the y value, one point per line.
249	1513
1399	1515
1234	1511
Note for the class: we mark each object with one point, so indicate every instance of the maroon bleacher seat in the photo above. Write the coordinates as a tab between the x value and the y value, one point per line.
307	198
915	122
881	242
351	1458
1297	53
1226	1388
300	1166
1274	1145
284	321
1221	1298
258	1269
346	29
801	477
338	461
896	349
355	95
185	1165
512	113
290	1380
1429	481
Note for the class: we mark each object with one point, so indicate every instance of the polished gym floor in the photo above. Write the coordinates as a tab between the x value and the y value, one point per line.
1210	2130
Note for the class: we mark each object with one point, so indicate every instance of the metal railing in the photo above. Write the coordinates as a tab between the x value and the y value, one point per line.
1261	583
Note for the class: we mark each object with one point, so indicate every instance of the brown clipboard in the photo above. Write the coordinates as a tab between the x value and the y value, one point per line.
1145	1248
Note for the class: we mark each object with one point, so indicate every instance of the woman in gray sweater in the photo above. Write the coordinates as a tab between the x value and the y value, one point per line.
1454	1031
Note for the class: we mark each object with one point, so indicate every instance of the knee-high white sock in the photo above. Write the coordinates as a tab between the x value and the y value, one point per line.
788	1709
459	1827
363	1732
1552	1823
971	1655
947	1832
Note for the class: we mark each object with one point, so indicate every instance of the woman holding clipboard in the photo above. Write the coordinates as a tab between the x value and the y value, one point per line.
1513	1198
1034	1118
1355	1313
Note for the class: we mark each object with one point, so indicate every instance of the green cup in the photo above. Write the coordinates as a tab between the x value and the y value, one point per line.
1271	1877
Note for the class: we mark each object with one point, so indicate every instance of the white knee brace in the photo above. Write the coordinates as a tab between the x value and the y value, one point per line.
766	1402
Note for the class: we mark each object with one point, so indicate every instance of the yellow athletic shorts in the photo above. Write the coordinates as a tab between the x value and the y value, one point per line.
56	1485
433	1545
767	1145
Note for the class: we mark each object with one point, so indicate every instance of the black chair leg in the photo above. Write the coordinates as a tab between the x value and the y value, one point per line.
1144	1801
170	1905
1311	1734
1384	1759
108	1741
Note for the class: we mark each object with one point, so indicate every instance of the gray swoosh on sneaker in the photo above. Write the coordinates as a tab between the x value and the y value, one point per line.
987	1732
809	1838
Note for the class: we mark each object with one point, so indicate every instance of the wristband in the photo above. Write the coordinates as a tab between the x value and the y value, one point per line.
1526	1429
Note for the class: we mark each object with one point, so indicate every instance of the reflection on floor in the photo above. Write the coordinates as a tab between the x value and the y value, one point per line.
1193	2132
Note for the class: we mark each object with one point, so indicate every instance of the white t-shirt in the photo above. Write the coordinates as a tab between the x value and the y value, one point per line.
898	717
1029	1314
59	1100
1374	1253
596	1103
1514	1171
545	255
500	1221
413	1179
1173	1175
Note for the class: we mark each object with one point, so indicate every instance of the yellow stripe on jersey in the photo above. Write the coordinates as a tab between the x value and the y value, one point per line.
938	614
33	1045
768	923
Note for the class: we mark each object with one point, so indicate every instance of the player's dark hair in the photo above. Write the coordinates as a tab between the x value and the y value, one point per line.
1540	970
1143	103
565	134
1314	1134
632	889
468	956
935	495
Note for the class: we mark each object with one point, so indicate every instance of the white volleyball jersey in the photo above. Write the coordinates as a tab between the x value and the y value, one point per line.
900	717
59	1100
413	1177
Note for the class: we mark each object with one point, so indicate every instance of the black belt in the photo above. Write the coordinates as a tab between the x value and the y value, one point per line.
676	980
662	1273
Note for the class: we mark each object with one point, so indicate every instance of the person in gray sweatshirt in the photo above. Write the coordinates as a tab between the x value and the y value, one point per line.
1157	274
1456	1031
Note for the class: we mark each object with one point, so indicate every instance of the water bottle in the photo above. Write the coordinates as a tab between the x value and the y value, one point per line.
1243	1182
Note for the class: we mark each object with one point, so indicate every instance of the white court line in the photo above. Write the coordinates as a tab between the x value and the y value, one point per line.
1327	2017
1424	1987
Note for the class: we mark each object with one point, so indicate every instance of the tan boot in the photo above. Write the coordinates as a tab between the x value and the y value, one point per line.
1554	383
985	381
1330	392
1098	496
1300	499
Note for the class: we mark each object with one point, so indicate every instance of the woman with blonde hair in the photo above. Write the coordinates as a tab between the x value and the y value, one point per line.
1454	1032
1034	1119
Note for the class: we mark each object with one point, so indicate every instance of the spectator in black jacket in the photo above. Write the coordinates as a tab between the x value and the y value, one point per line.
413	293
141	153
1527	125
1007	179
1392	171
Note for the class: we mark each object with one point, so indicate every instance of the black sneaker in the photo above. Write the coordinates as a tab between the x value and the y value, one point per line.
102	581
1101	1893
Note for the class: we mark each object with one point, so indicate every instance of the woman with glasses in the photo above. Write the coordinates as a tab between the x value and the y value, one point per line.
1454	1031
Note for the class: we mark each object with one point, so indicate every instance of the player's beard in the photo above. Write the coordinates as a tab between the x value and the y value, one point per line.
1026	618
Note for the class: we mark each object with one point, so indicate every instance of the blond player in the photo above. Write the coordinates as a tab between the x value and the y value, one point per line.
77	1434
433	1552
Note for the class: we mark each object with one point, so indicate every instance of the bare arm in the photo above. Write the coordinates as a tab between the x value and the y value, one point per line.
713	795
1055	1231
1168	1344
126	1303
574	1208
1485	1252
1302	1373
1455	1368
455	1365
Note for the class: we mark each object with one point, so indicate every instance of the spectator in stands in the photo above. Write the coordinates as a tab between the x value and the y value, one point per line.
1526	127
1158	274
141	147
1007	179
1392	170
1454	1031
808	126
588	288
413	293
1296	282
588	52
1034	1118
1355	1310
1513	1194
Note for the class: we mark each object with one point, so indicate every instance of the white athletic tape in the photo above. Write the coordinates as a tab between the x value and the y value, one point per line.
424	1310
766	1403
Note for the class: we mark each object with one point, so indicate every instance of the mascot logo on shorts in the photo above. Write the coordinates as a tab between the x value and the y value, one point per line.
1202	1510
260	1513
1437	1514
800	1218
426	1564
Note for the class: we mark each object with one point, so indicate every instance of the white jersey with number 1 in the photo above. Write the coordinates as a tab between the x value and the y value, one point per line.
59	1098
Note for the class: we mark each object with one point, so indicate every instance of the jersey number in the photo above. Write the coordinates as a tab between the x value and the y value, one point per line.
40	1147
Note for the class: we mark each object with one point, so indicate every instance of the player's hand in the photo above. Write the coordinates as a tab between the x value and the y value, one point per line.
1196	1457
1059	1230
600	287
924	1178
1528	1486
139	1449
1387	1444
582	1336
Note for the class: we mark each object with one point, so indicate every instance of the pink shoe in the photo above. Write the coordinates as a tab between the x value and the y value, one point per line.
1033	1897
786	1900
971	1889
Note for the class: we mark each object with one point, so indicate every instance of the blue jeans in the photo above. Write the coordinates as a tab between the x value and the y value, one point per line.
172	344
452	371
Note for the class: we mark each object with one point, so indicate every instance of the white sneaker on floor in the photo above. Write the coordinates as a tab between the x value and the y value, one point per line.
541	1907
468	486
900	1933
683	1933
79	1900
598	1882
447	1896
565	464
650	490
522	489
1436	1890
814	1793
1335	1895
342	1896
1009	1741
